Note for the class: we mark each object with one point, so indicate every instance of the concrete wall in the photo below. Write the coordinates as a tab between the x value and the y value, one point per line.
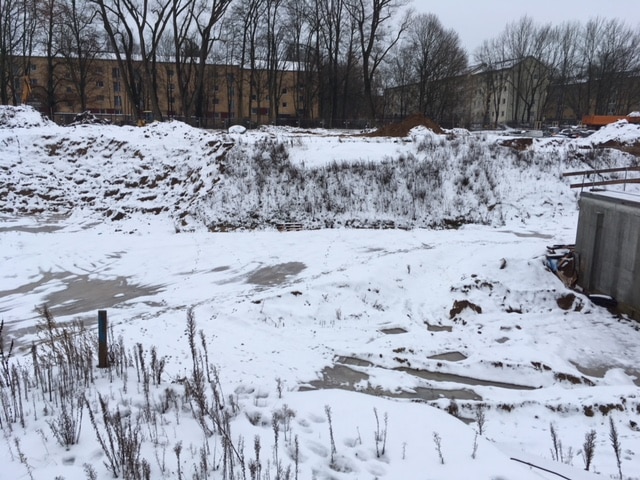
608	247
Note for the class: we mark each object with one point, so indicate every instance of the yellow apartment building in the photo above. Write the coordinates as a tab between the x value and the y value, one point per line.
231	95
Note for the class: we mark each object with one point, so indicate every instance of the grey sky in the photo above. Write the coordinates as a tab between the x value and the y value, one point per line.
478	20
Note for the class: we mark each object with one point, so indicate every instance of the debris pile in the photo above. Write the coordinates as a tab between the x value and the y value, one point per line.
403	128
87	118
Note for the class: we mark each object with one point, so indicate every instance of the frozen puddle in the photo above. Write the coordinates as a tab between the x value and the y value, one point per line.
601	370
451	377
449	357
393	331
341	375
275	274
77	294
439	328
346	378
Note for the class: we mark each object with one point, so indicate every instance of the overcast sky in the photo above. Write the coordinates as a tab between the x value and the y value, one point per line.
478	20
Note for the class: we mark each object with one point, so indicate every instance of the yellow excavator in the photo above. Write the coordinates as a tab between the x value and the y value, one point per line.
26	89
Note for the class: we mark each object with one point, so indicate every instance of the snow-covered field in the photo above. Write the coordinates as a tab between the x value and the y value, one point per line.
330	353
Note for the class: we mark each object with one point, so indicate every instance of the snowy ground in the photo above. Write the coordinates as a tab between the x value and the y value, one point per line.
332	346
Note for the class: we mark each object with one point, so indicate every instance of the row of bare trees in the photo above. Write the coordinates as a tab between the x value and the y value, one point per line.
344	53
587	68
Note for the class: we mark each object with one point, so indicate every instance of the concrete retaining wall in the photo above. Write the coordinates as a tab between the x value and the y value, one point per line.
608	247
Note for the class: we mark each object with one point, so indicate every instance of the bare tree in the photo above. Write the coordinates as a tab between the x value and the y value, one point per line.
530	47
589	448
80	44
246	16
493	75
376	38
565	74
206	16
303	29
135	30
10	36
439	61
401	76
48	14
17	39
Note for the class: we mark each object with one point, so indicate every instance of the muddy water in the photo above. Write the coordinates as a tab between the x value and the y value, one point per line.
450	377
341	375
84	294
529	234
438	328
449	357
601	370
81	294
346	378
393	331
275	274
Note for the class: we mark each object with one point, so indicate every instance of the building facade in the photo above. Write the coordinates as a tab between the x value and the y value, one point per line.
231	94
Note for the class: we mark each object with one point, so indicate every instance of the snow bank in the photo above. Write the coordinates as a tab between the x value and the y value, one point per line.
621	132
23	116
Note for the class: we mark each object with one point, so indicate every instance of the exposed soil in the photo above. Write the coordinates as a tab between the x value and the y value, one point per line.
460	305
519	144
403	128
633	149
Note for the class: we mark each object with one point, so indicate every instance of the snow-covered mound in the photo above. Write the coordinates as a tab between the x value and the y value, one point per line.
237	129
621	132
22	117
109	170
319	179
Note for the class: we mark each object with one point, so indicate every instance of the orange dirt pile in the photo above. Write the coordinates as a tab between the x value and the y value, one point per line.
402	129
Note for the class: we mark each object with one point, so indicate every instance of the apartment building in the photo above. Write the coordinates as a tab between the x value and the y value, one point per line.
511	92
231	94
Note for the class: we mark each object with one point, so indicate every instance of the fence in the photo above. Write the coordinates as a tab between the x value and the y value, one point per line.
224	123
589	182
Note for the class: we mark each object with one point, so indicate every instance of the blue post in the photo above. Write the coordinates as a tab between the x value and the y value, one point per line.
103	356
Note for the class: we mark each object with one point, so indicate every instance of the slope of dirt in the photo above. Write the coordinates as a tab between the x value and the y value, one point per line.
403	128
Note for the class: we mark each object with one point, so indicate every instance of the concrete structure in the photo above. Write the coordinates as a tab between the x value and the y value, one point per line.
608	247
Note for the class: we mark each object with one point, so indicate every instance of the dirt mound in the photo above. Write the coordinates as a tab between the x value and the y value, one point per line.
519	144
22	116
87	118
403	128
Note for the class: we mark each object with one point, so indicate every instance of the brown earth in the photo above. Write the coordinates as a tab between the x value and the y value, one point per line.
517	143
402	128
633	149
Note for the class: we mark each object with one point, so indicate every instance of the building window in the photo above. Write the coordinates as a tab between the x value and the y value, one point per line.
69	90
502	113
33	67
171	87
216	88
216	101
101	98
253	97
504	100
34	82
117	101
284	104
116	86
284	91
115	72
99	84
170	73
